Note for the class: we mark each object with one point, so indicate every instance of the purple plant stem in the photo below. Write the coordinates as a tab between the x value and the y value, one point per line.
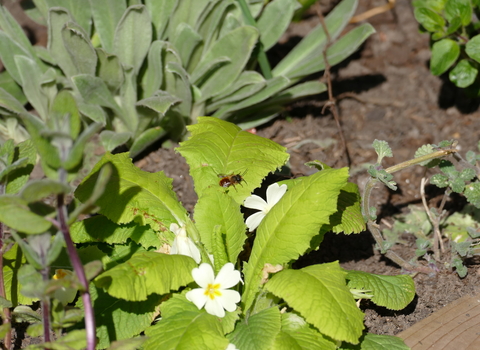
46	309
80	272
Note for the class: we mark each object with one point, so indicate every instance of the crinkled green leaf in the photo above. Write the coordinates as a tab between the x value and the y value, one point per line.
296	333
382	149
134	195
13	259
377	342
99	229
257	331
286	231
392	292
147	273
444	53
473	48
214	208
19	177
348	218
220	148
460	8
319	293
472	192
133	36
117	319
186	330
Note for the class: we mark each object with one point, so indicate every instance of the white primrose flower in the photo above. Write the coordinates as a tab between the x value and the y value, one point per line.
274	194
231	347
184	245
214	293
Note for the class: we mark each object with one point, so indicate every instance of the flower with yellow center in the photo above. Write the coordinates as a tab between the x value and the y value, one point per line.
213	292
64	294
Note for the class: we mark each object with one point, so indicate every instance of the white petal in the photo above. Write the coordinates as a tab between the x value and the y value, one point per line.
174	228
275	193
203	275
214	307
197	296
254	202
227	276
231	347
194	252
174	248
229	299
254	220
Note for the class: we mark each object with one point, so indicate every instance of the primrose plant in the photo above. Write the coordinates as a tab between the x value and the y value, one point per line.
205	282
146	69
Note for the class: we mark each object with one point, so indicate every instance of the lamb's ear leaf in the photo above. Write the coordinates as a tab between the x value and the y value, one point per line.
218	148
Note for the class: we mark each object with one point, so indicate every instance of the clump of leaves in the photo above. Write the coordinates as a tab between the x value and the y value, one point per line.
453	27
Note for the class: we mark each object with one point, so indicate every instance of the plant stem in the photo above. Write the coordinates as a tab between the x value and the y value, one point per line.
372	225
80	272
7	317
45	305
261	55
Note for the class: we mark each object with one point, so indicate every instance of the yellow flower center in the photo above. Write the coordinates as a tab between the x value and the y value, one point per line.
59	274
213	291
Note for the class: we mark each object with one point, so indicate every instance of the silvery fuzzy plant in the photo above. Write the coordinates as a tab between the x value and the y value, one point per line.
146	69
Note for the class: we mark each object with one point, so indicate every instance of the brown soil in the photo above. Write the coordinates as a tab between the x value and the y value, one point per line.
397	100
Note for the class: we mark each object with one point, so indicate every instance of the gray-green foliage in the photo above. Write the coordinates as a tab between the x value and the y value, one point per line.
145	69
453	27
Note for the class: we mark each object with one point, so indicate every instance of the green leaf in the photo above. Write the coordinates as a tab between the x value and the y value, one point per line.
454	25
80	49
31	81
145	139
307	205
348	218
160	102
19	177
460	8
94	91
147	273
392	292
377	342
296	333
10	103
9	49
134	195
274	20
430	20
153	77
111	139
473	48
257	331
472	192
186	40
161	11
444	53
237	45
214	208
106	15
312	45
133	36
182	330
319	293
36	190
382	149
99	229
110	70
57	18
117	319
7	83
65	103
15	213
13	259
218	148
75	156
